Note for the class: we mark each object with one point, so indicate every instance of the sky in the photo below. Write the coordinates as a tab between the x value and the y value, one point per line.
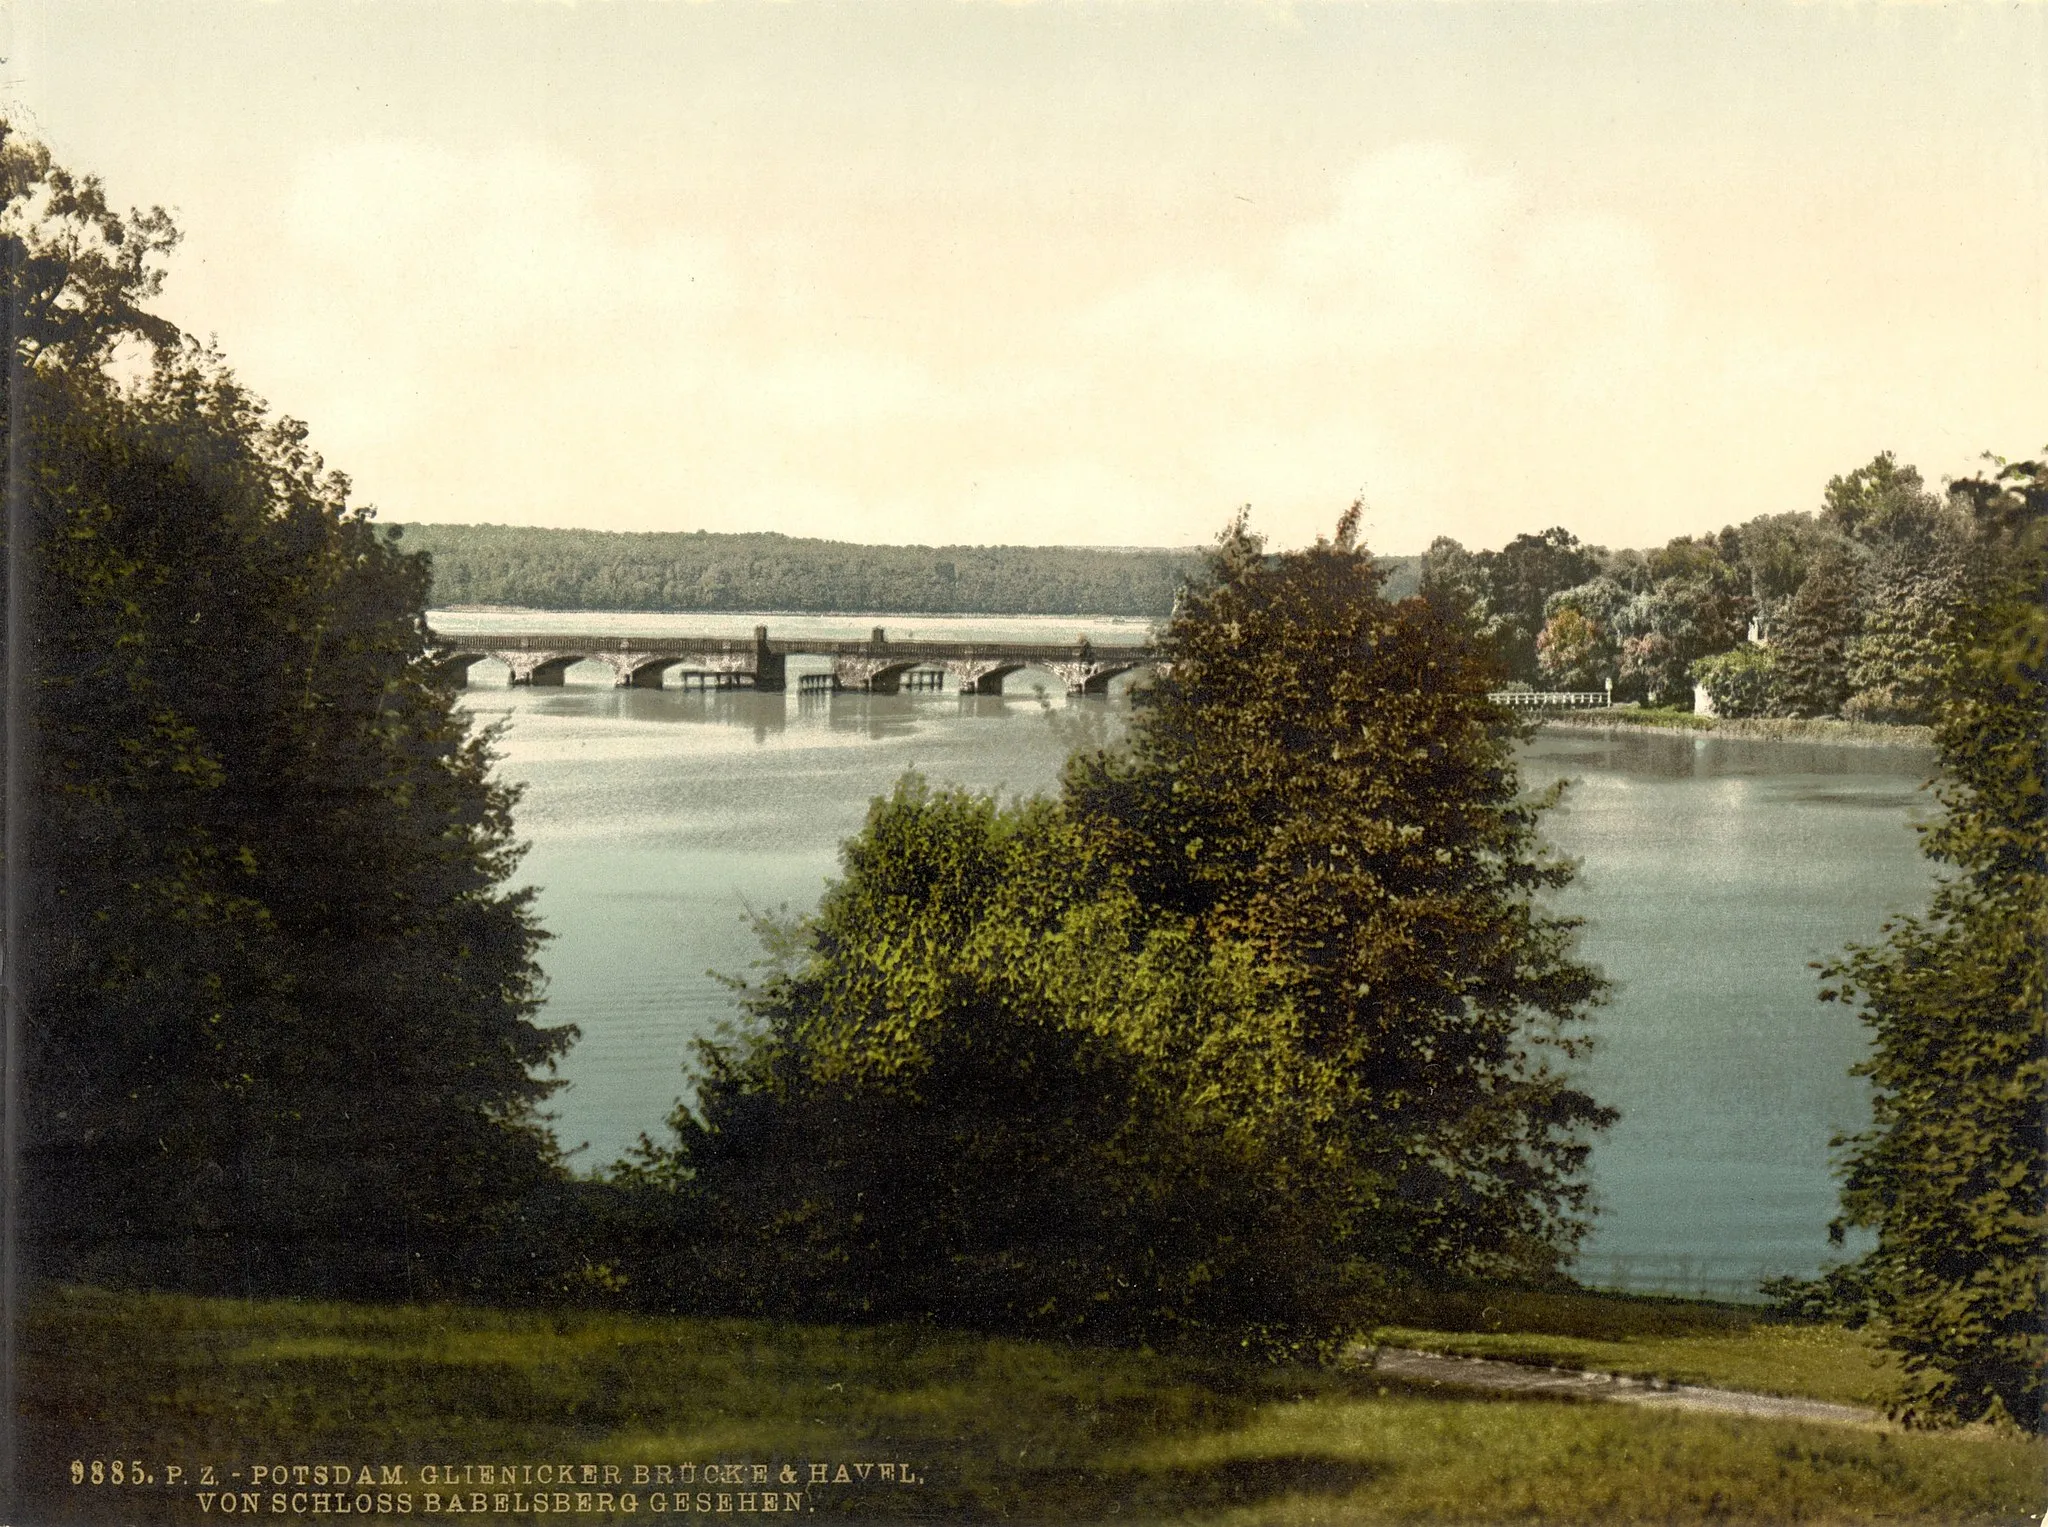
1089	274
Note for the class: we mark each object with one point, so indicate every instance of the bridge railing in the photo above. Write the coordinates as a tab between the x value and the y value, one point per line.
1551	699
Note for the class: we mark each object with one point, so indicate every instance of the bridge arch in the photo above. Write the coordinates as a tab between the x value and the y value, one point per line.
454	666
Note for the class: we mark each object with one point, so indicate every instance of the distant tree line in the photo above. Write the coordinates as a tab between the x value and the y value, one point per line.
1845	612
701	570
604	570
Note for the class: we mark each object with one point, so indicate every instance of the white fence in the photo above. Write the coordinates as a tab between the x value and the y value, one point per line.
1550	699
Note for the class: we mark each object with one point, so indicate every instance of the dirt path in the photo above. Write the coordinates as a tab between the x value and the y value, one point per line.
1518	1378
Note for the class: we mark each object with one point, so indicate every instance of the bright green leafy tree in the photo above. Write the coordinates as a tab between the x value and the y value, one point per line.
993	1089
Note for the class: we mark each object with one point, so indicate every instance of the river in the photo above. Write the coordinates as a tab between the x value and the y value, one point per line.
1713	871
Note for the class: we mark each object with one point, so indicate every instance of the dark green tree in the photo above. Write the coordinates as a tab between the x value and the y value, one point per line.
1775	551
1319	776
1813	645
1519	579
276	1008
1882	503
1953	1174
1451	578
1913	595
1253	1023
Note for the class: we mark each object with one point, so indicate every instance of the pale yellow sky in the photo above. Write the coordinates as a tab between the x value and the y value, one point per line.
1091	273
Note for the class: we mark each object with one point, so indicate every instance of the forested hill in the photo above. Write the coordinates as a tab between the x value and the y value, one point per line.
699	570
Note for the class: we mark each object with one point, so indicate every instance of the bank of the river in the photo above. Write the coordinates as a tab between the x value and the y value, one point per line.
1861	734
522	1410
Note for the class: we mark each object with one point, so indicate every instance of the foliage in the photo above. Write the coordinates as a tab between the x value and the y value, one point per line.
1695	609
277	1013
1775	552
1451	579
1518	581
77	271
1318	776
997	1093
1741	682
1896	662
1246	1028
1882	503
1574	651
1813	649
1864	641
1951	1175
699	570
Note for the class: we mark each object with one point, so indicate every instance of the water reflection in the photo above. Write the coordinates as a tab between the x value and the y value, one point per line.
1677	756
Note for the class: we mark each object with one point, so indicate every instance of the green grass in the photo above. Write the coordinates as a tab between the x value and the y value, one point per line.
995	1430
1766	728
1682	1341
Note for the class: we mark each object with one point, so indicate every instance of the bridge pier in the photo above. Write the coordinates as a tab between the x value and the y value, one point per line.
1088	677
769	670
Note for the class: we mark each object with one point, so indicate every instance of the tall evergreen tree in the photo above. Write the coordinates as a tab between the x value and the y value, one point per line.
277	1011
1812	661
1318	775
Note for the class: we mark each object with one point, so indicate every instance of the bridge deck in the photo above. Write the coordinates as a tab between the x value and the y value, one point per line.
597	643
876	665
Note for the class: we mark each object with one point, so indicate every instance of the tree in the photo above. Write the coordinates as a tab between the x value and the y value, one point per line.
1894	668
1812	652
1577	648
1953	1174
1882	503
1249	1024
1451	579
1775	552
1740	683
1318	776
990	1088
1573	652
277	1010
1519	578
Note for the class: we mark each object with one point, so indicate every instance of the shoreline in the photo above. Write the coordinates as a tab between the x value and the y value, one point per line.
1833	733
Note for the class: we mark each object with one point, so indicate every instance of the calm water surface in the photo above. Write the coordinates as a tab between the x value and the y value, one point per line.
1713	872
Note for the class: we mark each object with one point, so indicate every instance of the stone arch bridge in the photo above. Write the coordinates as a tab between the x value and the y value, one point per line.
875	666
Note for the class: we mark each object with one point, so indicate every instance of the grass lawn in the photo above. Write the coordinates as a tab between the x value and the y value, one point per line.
1687	1342
1767	728
985	1430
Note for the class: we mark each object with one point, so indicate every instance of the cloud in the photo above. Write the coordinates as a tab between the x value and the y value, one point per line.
492	335
483	335
1453	344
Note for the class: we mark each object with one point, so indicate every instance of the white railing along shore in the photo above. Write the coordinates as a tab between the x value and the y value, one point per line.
1551	699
